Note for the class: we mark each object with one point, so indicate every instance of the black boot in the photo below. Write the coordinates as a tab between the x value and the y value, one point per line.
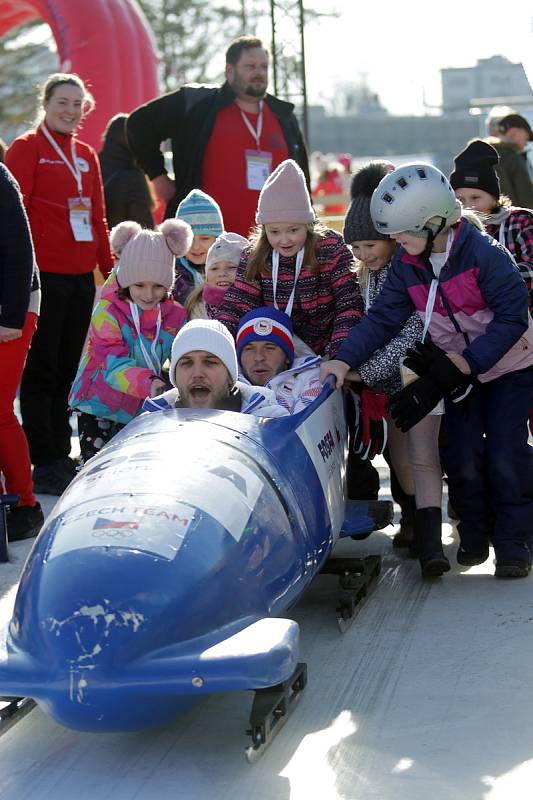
404	537
24	522
427	542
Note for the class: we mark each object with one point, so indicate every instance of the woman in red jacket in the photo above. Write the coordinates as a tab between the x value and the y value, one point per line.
60	180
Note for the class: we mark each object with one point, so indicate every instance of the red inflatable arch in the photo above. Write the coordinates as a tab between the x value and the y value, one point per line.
108	43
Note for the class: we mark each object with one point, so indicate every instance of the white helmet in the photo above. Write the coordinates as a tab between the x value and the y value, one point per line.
408	199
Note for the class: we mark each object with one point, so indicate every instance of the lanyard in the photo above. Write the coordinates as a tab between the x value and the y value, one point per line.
256	133
74	167
367	291
297	270
148	361
433	290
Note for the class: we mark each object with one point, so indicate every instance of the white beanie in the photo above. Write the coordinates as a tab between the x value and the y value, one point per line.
226	247
209	335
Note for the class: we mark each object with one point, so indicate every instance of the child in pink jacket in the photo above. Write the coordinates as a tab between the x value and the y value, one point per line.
131	333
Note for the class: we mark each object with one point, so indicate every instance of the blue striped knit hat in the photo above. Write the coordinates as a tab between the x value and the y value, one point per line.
266	324
202	213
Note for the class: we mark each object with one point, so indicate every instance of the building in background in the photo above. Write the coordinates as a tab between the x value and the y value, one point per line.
367	134
490	78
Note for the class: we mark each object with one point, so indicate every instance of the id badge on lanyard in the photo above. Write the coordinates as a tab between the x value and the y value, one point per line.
258	162
258	168
79	213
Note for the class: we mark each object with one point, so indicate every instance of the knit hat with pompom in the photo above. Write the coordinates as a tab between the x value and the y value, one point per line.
358	225
146	255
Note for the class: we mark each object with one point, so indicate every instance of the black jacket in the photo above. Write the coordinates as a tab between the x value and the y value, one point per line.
187	118
18	272
512	172
126	191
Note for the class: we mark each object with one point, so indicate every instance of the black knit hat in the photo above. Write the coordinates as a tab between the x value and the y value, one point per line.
474	168
358	225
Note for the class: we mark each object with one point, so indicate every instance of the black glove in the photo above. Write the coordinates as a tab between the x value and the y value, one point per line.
428	359
421	356
414	402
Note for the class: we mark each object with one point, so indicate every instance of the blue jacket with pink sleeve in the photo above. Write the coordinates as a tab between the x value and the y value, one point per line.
480	311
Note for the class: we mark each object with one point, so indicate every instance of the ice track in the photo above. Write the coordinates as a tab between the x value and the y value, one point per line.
426	697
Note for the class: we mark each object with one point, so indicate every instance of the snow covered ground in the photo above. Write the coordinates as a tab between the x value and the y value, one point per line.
427	697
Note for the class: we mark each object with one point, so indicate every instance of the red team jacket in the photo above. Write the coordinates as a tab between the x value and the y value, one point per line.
46	184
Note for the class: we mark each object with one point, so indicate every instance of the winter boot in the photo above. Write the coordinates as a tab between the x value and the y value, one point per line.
512	569
452	513
70	465
427	542
51	478
404	537
24	522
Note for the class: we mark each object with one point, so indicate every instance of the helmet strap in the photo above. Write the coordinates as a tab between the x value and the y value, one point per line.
432	235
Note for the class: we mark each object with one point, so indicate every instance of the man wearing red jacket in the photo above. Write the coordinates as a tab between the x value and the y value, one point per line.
60	180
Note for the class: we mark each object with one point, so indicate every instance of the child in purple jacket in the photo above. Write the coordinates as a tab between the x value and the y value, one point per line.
474	304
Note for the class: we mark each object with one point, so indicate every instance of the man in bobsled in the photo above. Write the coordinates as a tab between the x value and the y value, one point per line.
203	371
266	352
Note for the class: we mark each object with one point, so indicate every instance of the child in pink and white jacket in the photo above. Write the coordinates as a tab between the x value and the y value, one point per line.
131	332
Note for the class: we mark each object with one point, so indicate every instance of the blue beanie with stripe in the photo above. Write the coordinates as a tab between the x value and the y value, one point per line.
266	324
202	213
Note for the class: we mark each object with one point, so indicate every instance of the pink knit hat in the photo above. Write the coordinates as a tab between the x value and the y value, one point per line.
146	255
284	197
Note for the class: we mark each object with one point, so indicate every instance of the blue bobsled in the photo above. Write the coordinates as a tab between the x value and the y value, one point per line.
164	570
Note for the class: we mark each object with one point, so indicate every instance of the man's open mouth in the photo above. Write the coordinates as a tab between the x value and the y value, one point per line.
199	392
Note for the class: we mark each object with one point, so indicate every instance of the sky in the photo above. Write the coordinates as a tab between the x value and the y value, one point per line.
401	46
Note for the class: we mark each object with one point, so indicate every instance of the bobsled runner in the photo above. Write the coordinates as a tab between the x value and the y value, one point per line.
164	570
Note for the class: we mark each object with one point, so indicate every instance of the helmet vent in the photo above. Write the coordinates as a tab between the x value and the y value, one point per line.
388	198
421	173
402	183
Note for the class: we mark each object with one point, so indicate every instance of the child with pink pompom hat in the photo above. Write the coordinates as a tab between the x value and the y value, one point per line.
131	332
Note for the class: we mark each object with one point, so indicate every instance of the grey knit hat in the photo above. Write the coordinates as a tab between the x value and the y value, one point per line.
358	225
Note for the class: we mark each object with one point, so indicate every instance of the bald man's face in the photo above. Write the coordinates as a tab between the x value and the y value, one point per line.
202	380
260	361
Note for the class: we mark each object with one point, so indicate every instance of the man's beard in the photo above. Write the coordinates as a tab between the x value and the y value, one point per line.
252	90
216	398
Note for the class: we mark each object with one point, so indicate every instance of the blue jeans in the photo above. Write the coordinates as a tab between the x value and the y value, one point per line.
490	465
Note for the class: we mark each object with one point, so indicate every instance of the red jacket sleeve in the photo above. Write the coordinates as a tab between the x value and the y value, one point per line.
21	158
